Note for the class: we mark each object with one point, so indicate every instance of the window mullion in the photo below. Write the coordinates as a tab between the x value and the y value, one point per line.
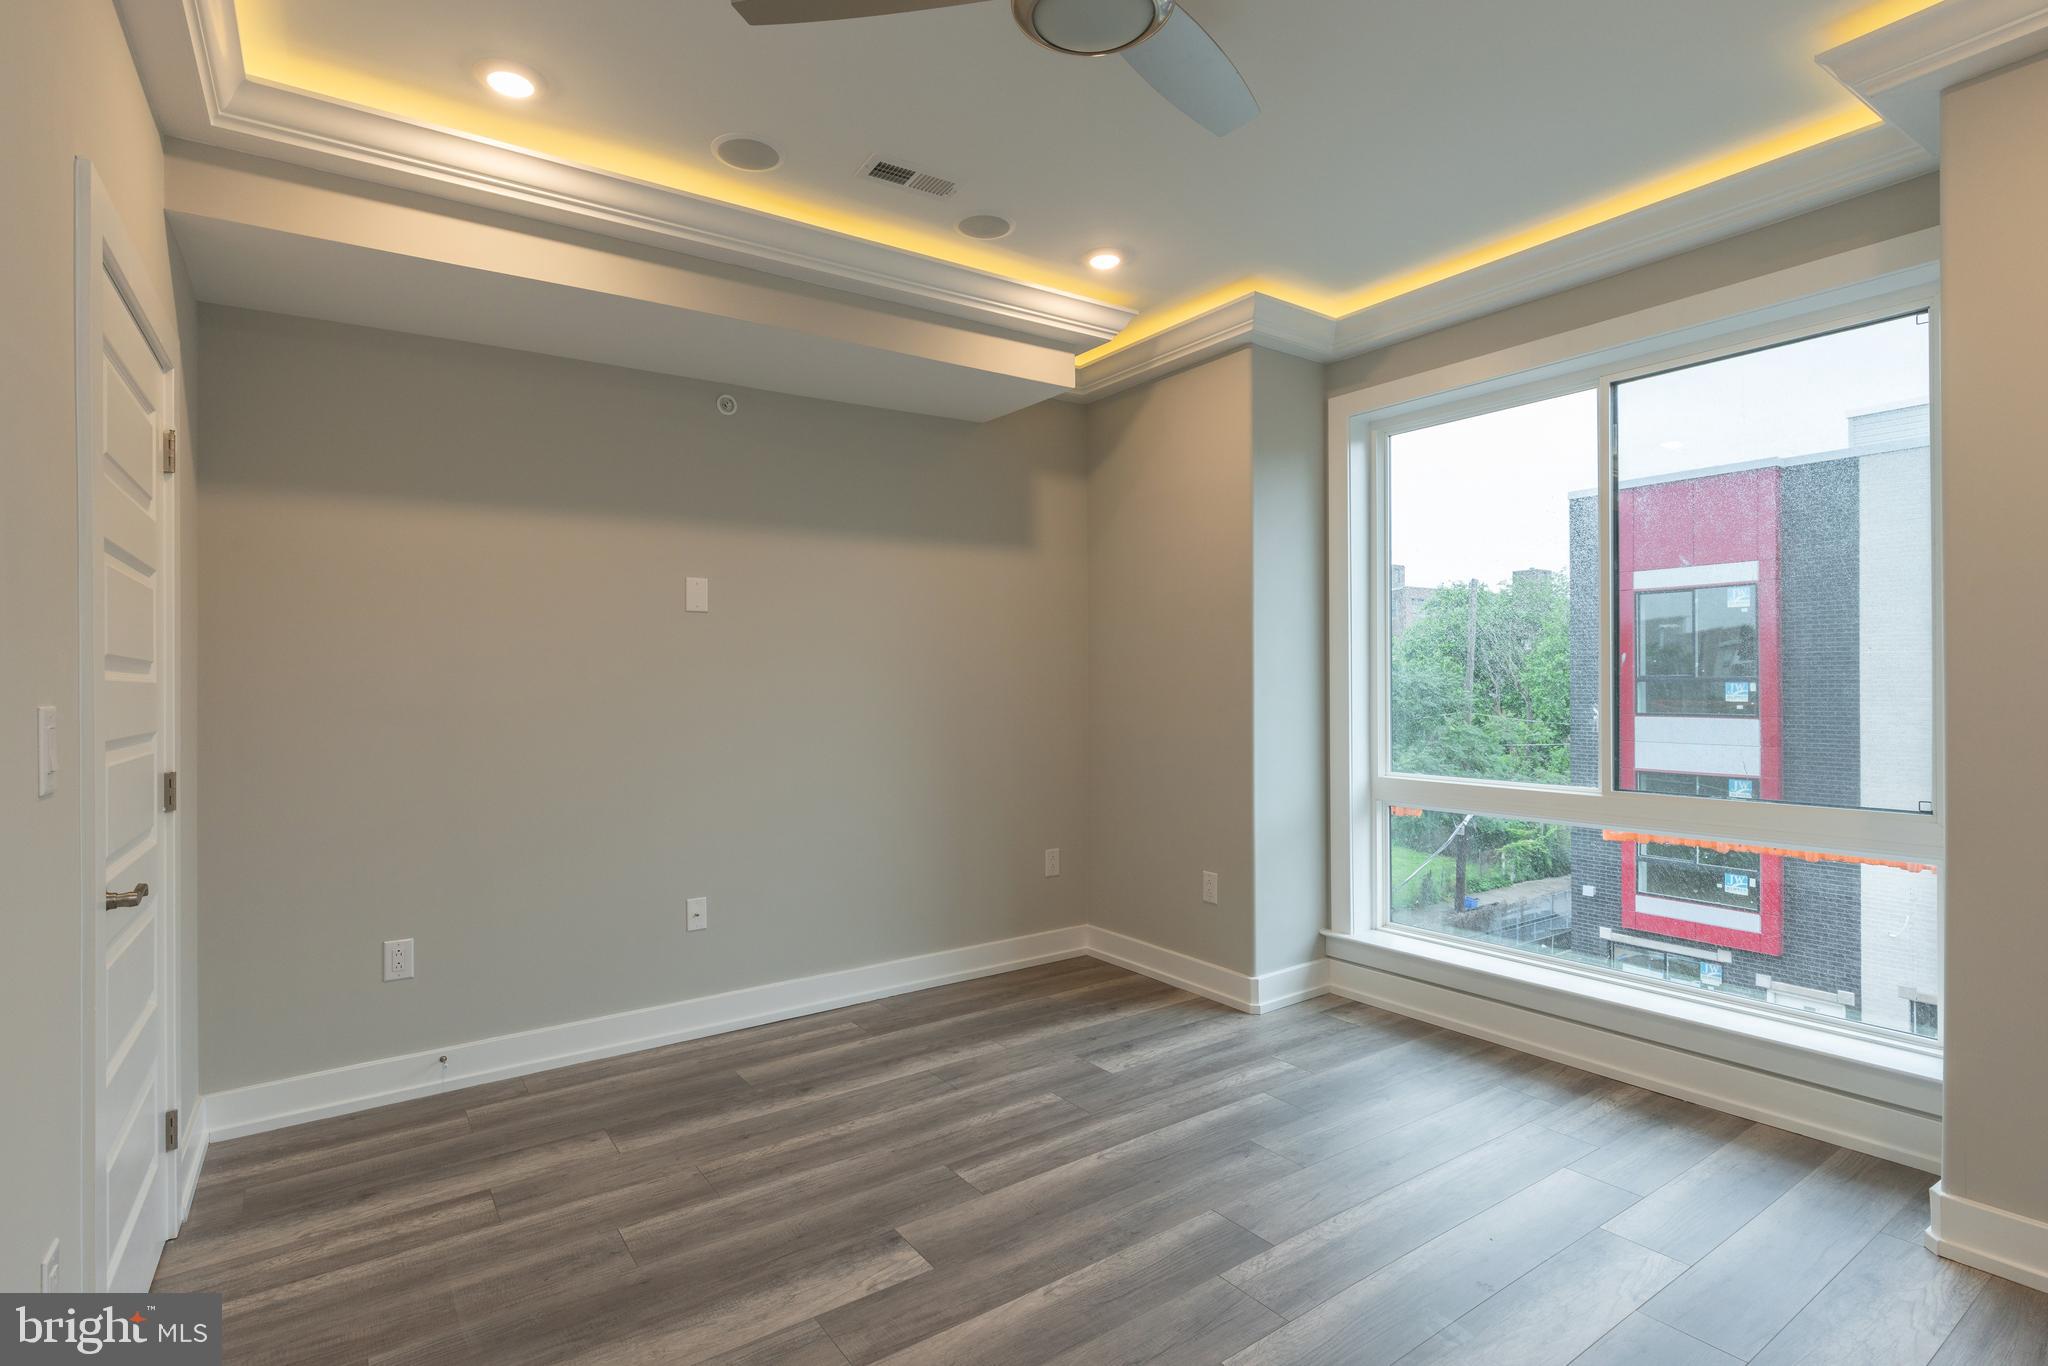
1606	744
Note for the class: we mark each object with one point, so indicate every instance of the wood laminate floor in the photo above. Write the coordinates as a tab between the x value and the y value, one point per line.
1072	1164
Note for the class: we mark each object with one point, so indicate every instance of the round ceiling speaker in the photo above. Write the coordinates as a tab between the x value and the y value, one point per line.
984	227
1091	28
746	154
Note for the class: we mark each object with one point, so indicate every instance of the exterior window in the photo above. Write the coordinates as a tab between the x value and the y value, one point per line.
1697	652
1479	655
1702	875
1664	967
1697	785
1642	673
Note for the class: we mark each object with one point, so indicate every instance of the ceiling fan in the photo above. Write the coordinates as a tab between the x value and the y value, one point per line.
1158	37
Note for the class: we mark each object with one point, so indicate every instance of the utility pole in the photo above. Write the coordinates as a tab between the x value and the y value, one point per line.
1471	642
1462	840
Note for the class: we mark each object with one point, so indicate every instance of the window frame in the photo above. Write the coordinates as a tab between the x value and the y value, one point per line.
1804	302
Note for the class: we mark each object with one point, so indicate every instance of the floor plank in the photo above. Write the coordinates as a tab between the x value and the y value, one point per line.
2006	1326
1742	1293
1073	1165
1397	1308
1893	1305
1344	1249
1556	1311
1642	1341
1690	1216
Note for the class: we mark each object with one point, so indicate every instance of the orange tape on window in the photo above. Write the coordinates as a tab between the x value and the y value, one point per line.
1767	850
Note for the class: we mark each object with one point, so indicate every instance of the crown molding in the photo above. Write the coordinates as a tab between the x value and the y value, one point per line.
190	59
1248	320
1835	170
1901	69
191	62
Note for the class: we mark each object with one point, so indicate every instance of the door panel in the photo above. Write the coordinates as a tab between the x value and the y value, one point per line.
135	1176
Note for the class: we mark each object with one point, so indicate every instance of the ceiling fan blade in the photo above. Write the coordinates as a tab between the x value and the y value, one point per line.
813	11
1183	63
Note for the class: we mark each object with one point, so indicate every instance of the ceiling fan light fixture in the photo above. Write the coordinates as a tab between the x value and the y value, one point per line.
1091	28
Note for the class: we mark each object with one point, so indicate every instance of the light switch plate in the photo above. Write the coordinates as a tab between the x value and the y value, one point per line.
698	912
46	751
696	595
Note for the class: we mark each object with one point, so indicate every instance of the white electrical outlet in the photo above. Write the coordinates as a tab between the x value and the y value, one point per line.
698	912
53	1266
398	962
1052	863
1209	888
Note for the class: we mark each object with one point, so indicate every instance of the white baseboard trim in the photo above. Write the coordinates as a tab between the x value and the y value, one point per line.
191	1157
1898	1135
1988	1238
1242	991
383	1081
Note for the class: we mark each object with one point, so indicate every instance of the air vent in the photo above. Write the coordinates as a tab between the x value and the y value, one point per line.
895	173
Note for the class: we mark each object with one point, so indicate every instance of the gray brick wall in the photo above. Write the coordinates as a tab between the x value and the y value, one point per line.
1819	688
1820	675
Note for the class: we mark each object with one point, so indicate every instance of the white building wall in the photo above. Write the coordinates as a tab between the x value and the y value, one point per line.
1901	941
1895	605
1901	948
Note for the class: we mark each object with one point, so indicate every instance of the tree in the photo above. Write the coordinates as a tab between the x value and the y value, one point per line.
1481	688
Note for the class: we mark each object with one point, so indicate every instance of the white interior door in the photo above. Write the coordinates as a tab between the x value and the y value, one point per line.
127	387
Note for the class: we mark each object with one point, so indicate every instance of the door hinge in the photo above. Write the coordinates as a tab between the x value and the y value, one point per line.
170	1131
170	791
170	451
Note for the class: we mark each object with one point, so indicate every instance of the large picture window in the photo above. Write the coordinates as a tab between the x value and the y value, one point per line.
1641	678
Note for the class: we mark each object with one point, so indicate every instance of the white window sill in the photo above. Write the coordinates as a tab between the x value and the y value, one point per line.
1902	1074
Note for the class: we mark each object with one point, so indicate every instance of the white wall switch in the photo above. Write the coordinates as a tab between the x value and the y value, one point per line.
698	912
1209	889
397	960
1052	863
46	751
696	595
53	1267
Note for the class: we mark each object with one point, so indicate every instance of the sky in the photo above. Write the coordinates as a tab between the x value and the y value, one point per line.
1487	495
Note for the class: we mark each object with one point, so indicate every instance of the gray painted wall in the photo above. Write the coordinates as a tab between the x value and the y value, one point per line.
1206	718
452	693
1290	753
1993	428
1170	712
67	89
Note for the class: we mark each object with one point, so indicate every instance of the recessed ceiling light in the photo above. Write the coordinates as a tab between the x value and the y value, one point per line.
746	154
1105	260
984	227
504	78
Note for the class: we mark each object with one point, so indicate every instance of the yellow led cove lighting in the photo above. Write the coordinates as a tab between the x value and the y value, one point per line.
1338	305
515	122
